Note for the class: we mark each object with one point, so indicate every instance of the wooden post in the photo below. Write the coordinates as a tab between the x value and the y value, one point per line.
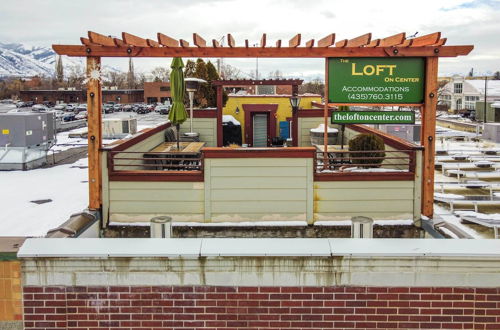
220	106
295	119
325	115
428	135
94	109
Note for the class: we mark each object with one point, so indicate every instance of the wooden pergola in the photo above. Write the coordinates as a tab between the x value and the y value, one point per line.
430	47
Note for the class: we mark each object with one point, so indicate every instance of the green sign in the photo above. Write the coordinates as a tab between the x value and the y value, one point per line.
376	80
373	117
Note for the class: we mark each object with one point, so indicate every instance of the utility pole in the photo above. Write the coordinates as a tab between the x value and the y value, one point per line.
485	97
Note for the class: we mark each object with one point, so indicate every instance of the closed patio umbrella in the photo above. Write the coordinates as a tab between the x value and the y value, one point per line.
178	113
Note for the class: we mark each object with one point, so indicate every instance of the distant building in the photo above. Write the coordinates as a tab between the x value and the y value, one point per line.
71	95
157	91
462	94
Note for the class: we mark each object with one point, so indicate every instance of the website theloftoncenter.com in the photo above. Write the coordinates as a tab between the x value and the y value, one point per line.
372	116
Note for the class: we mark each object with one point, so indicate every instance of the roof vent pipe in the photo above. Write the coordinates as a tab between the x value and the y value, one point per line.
361	227
161	227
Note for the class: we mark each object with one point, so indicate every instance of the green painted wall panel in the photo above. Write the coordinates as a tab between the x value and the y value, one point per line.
259	173
396	206
166	207
258	162
116	185
251	183
362	184
177	195
387	194
207	127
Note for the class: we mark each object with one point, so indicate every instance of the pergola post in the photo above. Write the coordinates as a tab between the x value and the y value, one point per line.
94	109
295	119
220	105
428	135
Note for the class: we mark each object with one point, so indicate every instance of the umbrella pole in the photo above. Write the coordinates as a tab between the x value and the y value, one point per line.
178	128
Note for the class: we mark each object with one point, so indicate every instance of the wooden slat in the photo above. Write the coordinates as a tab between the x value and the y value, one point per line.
263	40
269	52
310	43
327	41
183	43
87	42
152	43
167	41
406	43
295	41
441	42
374	43
427	40
215	43
119	42
394	40
278	43
100	39
341	43
360	41
246	43
230	40
133	40
199	41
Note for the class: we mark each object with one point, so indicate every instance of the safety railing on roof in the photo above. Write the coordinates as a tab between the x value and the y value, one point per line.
154	161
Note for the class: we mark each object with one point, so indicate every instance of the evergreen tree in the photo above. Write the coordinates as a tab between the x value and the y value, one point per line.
201	96
212	91
59	69
130	75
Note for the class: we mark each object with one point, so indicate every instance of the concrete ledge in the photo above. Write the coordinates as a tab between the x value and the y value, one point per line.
261	262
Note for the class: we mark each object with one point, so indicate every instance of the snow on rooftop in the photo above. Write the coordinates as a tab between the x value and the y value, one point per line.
65	185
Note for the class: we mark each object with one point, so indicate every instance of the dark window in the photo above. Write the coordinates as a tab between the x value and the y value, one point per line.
164	88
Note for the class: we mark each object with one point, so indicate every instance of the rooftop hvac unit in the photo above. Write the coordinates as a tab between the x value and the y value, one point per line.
491	131
25	139
118	128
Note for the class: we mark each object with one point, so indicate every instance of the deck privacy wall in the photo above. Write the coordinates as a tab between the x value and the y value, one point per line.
206	127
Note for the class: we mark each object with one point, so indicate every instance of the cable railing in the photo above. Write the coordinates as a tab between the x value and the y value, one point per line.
154	161
340	161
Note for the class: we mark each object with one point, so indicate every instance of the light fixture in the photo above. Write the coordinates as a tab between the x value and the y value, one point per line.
295	101
237	111
192	85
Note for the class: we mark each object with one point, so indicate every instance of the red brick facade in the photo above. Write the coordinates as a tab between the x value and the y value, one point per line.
190	307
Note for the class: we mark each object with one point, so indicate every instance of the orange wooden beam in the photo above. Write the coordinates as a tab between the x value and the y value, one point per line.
278	43
394	40
427	40
167	41
199	41
374	43
183	43
327	41
152	43
263	40
295	41
133	40
100	39
359	41
230	40
215	43
310	43
270	52
119	42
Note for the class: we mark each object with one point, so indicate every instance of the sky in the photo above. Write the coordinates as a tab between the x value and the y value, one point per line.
43	23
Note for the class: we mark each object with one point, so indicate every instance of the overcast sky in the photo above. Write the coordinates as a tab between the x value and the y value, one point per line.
63	21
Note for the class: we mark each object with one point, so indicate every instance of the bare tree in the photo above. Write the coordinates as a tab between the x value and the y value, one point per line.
76	75
161	73
230	72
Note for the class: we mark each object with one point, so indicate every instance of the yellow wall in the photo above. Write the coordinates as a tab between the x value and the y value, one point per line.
10	291
283	102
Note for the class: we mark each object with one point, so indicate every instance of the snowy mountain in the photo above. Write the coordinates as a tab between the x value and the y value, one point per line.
26	61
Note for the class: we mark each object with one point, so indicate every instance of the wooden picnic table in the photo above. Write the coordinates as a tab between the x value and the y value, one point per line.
186	147
167	157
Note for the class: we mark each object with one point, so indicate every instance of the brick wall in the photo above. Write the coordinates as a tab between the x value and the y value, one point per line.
217	307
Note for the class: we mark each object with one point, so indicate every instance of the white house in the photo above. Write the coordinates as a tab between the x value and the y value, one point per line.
460	93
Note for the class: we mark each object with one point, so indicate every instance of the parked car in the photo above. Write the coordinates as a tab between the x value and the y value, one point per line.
107	109
142	110
39	108
162	109
81	115
60	106
117	107
48	104
127	107
69	117
20	104
81	107
70	107
59	114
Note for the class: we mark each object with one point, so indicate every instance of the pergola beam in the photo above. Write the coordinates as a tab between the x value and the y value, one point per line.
270	52
167	41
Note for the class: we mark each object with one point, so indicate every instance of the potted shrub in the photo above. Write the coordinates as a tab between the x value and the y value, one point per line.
367	142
